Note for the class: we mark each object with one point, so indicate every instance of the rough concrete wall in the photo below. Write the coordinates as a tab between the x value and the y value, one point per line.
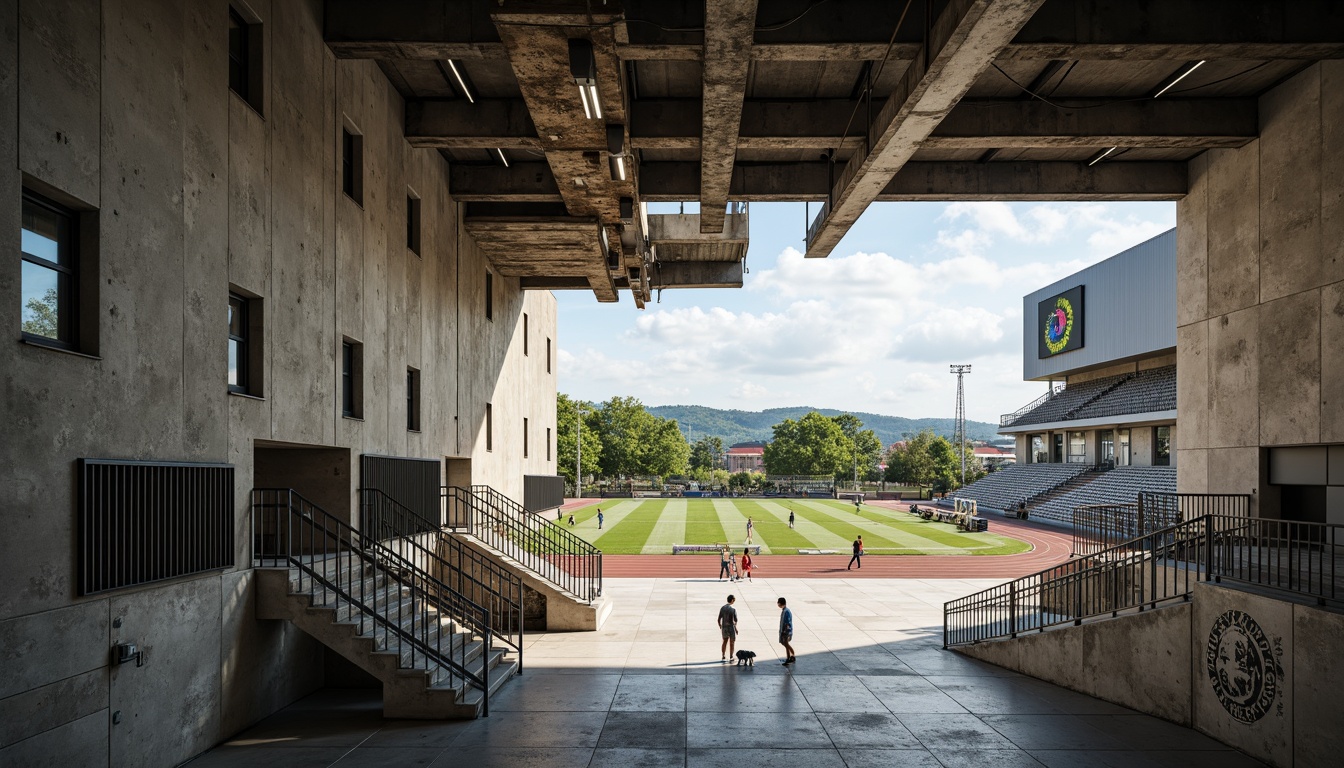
126	109
1141	661
1260	258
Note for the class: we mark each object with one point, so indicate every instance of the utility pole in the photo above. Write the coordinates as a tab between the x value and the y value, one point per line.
961	371
578	452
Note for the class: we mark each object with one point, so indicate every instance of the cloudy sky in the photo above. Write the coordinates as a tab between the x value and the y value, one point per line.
912	288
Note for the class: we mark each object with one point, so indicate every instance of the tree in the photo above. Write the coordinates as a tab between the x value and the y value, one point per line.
635	442
923	460
42	319
705	453
812	445
864	447
566	420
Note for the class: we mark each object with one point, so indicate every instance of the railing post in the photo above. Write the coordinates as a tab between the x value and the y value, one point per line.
1012	609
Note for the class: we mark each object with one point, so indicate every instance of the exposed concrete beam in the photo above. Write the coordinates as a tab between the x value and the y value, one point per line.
554	283
697	274
460	124
729	29
962	44
1198	123
530	182
772	182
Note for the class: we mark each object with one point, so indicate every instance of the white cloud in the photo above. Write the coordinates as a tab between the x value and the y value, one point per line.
749	391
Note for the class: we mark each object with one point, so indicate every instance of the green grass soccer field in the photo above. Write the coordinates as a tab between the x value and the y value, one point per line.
652	526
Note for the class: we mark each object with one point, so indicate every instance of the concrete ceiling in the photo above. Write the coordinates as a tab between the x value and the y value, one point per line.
845	102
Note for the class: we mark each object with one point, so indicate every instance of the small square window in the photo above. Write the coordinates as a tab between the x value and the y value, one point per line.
245	344
352	379
352	165
413	399
245	50
489	296
413	224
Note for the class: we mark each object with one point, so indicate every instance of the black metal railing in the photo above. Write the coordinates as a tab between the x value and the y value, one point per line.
539	545
1288	556
1008	418
1099	527
1188	506
451	561
381	589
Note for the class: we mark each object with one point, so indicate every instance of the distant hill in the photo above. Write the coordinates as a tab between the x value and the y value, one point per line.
697	421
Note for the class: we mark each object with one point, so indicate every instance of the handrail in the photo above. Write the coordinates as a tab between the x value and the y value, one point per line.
462	568
544	548
1008	418
334	559
1289	556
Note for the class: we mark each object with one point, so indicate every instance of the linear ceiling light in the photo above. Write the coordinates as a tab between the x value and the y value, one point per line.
1177	76
461	81
583	68
503	158
616	151
1097	158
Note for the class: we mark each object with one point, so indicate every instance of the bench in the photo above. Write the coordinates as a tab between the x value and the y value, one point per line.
679	548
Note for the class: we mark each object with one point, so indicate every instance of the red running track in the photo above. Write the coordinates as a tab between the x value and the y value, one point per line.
1050	546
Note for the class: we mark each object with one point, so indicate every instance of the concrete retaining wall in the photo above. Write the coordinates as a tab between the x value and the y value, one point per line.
1254	672
126	109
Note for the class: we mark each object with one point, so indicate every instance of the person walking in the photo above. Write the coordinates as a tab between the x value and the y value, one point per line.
599	518
786	630
724	571
858	553
571	521
790	517
746	564
749	529
728	628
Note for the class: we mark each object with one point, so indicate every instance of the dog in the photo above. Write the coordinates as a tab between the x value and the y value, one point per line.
746	658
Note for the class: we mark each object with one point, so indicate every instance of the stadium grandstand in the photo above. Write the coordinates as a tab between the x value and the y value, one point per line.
1103	340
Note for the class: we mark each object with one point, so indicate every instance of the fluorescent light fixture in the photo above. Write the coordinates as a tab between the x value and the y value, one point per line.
1097	158
1178	76
616	150
503	158
583	68
619	162
606	244
461	81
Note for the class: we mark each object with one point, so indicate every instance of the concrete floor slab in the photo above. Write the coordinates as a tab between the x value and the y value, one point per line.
857	698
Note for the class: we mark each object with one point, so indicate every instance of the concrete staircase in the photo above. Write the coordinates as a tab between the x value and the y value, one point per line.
381	625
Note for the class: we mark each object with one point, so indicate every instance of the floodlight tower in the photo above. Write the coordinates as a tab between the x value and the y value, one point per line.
960	428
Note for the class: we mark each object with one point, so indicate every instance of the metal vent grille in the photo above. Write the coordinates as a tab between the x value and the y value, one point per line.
141	522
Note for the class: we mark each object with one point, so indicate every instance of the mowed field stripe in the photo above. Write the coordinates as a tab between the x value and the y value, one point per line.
820	537
734	522
670	529
880	535
783	540
626	528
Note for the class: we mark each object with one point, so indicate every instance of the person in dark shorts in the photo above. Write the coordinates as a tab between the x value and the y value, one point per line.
858	553
728	628
599	518
725	572
790	517
786	630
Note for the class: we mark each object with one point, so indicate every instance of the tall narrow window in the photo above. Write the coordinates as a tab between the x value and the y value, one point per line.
245	39
413	399
524	334
50	273
489	296
524	438
239	353
413	223
352	375
548	354
352	165
245	343
489	427
1161	446
548	443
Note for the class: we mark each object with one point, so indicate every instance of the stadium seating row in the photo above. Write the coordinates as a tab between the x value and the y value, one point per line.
1121	485
1143	392
1006	488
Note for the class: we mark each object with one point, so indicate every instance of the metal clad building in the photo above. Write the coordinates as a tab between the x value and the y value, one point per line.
1129	311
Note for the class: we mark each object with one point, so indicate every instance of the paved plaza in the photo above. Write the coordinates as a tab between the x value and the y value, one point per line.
872	687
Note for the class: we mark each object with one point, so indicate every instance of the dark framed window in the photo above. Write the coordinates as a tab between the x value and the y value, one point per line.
352	165
489	296
548	443
352	375
524	438
413	224
245	50
1161	446
524	334
548	354
239	343
50	273
413	399
489	427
